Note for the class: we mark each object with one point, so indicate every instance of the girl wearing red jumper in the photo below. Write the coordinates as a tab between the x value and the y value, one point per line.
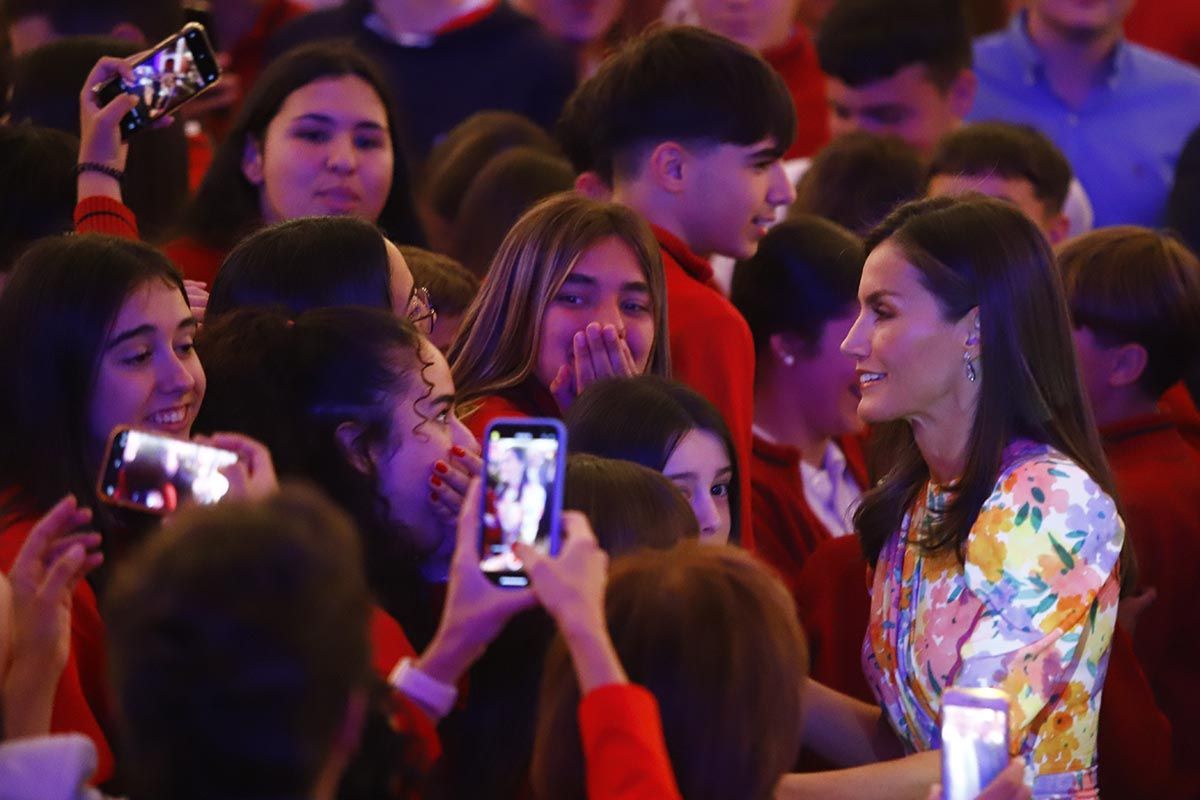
798	294
575	294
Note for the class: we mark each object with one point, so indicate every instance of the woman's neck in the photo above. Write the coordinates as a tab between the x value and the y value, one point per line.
944	447
776	413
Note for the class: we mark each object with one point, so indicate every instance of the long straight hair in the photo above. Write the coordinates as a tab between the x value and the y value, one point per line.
500	336
983	253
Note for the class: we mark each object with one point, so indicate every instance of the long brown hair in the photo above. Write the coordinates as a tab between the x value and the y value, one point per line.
712	634
498	341
980	252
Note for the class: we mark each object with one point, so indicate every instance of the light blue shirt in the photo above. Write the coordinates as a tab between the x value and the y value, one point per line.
1122	143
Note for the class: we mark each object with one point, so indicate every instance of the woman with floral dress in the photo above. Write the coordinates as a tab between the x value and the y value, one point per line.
994	537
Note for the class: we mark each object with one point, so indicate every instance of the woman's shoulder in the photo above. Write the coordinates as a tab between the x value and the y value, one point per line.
1037	477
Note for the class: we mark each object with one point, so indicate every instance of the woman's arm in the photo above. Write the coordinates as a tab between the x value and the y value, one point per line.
907	778
845	730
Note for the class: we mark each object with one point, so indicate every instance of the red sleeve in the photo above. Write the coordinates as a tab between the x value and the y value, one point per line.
80	700
107	216
623	745
389	643
1134	747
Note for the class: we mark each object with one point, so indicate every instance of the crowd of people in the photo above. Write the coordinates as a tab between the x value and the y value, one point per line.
874	329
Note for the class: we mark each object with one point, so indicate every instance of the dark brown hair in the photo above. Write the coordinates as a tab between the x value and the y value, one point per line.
980	252
1128	284
629	506
713	635
451	286
236	638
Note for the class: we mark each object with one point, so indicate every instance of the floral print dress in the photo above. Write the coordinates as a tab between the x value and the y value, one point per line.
1031	611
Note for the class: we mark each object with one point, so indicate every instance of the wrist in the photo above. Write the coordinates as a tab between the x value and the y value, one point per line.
448	656
436	697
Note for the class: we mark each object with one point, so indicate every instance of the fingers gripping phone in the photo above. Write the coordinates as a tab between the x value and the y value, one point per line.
974	740
178	68
524	465
157	474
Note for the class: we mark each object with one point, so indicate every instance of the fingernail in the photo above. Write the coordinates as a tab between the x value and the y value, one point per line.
441	467
434	480
457	451
434	496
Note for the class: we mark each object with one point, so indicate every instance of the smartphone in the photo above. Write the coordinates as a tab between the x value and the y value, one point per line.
157	474
178	68
524	464
974	740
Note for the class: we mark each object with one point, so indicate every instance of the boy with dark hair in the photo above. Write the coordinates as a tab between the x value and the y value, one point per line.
1016	163
899	70
1134	297
688	128
451	288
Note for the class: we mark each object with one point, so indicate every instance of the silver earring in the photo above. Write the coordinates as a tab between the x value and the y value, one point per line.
969	366
789	359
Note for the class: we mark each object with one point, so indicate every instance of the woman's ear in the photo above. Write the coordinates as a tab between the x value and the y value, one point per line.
353	447
252	161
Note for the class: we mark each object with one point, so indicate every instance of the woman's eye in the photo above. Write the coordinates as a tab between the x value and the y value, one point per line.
316	136
185	348
568	299
369	142
139	357
637	308
720	490
882	312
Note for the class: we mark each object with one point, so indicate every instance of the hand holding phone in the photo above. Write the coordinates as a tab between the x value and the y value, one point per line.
974	740
524	464
156	474
177	69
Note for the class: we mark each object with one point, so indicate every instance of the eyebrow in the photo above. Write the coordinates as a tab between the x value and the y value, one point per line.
147	329
588	280
325	119
443	399
764	155
880	295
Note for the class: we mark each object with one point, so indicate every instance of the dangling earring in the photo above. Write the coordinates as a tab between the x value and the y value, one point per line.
789	360
969	366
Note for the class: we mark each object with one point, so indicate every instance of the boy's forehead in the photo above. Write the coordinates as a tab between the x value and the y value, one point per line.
903	86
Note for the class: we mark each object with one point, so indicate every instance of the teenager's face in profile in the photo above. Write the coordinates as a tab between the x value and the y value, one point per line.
733	196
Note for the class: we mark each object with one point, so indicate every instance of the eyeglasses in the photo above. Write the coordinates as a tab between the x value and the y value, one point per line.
421	312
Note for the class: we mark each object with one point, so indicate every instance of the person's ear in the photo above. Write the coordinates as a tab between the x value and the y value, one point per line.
1127	362
252	161
591	185
784	348
353	446
972	341
667	167
1057	227
962	93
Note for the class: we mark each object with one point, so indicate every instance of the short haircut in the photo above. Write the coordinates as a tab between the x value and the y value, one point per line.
37	186
1009	151
1133	285
805	273
864	41
630	506
471	144
858	179
300	264
452	287
678	83
237	637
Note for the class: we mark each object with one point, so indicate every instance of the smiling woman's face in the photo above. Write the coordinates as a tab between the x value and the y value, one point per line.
328	151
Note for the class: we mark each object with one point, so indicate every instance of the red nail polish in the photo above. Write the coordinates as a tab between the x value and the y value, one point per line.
434	496
441	467
457	451
434	480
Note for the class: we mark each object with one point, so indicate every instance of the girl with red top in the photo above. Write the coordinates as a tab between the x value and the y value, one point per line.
798	294
575	294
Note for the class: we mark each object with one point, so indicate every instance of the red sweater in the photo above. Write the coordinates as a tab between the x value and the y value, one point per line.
796	61
786	529
623	746
1179	405
711	351
81	700
529	400
1158	481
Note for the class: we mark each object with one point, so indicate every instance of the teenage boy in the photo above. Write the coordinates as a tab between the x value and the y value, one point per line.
1134	297
688	128
1015	163
1119	111
447	59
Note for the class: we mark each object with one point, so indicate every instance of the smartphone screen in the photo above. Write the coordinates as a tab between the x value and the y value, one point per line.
156	473
176	70
524	467
974	740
